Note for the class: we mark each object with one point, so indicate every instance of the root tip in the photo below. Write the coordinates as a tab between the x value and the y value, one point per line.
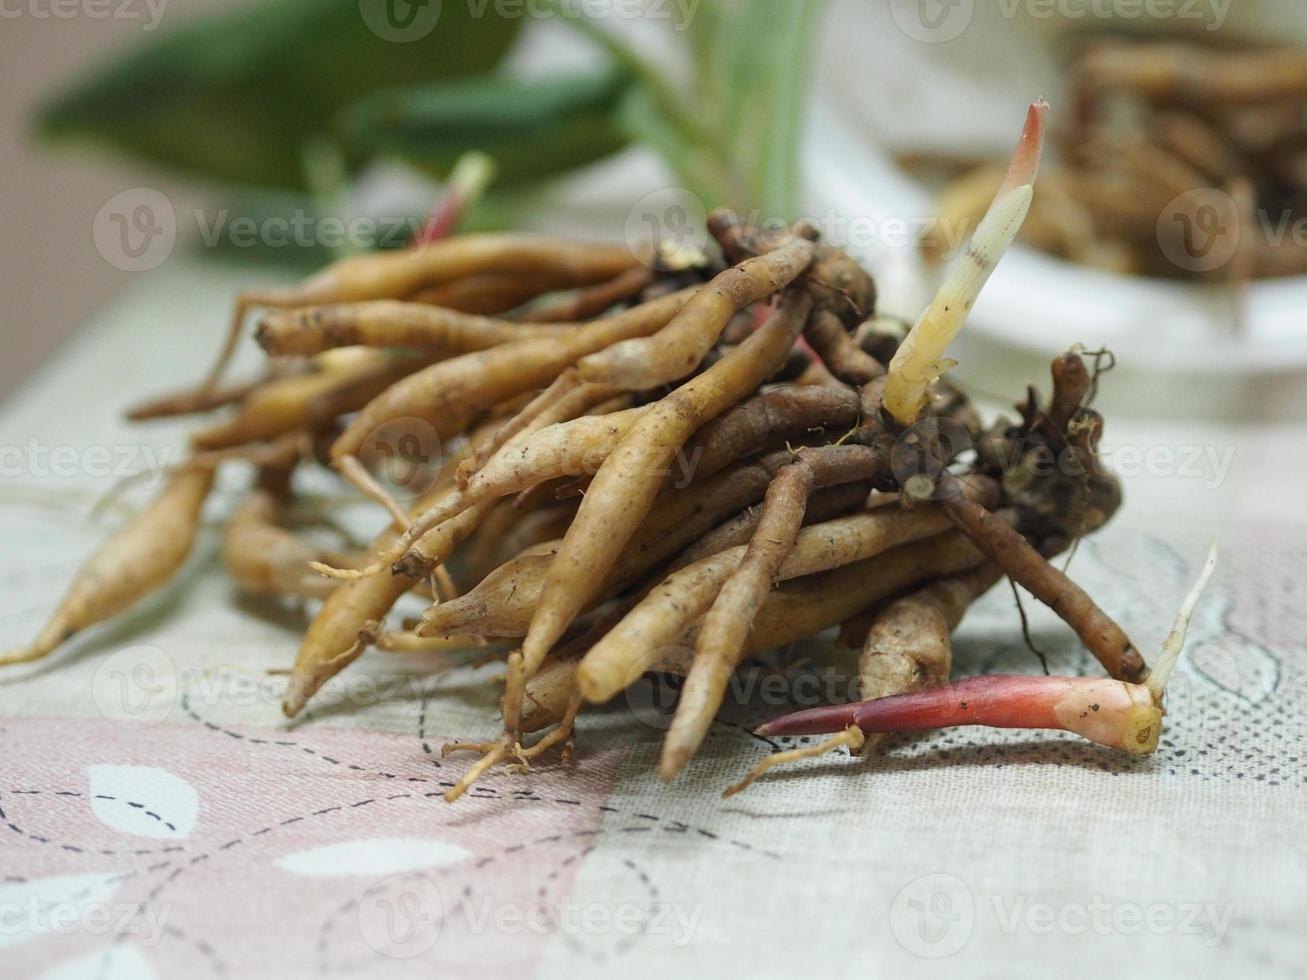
340	574
671	764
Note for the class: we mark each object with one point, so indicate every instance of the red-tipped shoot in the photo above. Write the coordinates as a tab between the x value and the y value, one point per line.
1114	713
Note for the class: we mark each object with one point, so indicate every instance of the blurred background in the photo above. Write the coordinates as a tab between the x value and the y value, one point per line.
53	276
142	135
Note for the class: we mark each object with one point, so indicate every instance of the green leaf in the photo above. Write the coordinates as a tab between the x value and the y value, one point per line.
733	136
531	128
239	96
754	59
703	170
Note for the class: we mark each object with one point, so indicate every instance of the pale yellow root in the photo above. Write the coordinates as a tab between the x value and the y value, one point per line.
331	641
908	646
514	685
851	736
661	617
137	560
727	622
563	449
393	641
824	505
495	754
563	385
509	531
265	558
400	274
490	609
503	602
623	491
802	608
488	294
388	323
287	404
592	300
676	350
560	402
450	394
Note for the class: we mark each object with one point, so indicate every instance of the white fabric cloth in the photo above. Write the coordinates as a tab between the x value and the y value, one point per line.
970	852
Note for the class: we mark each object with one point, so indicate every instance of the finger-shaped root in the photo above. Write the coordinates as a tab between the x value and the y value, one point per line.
133	563
400	274
566	449
908	646
191	402
823	505
678	348
838	350
623	491
1003	545
562	401
388	323
785	413
802	608
265	558
355	609
727	622
285	404
454	392
660	618
487	293
590	301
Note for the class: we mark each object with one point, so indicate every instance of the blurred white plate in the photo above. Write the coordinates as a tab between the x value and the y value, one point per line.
956	76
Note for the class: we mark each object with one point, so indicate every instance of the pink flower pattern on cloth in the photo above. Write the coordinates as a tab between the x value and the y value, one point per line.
330	863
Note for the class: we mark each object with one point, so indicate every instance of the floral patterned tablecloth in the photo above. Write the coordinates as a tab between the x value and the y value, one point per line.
159	818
